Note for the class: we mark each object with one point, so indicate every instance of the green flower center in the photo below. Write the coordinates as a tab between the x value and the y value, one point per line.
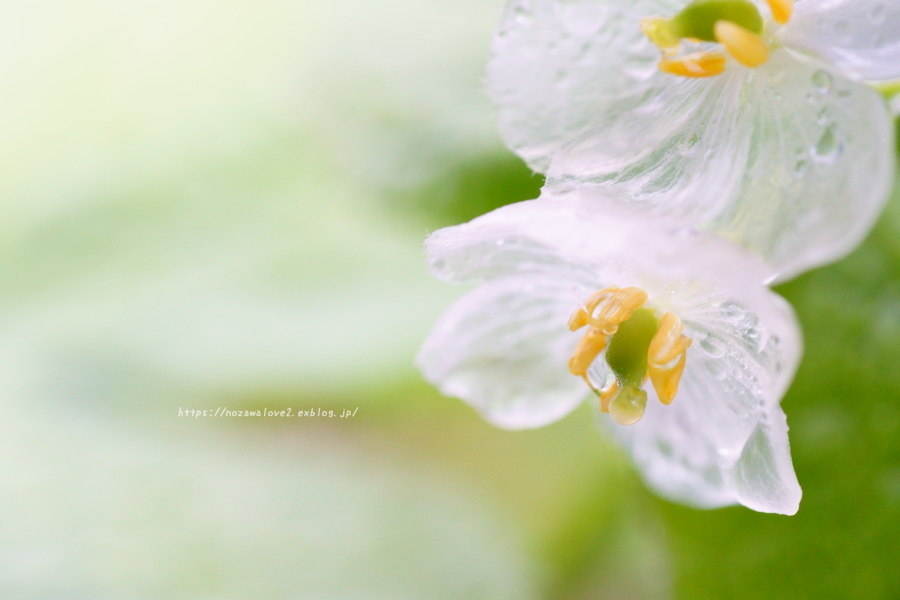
626	354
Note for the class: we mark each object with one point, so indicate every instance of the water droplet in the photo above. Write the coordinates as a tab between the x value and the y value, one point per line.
713	347
776	75
800	167
823	117
828	148
734	312
639	68
689	146
499	242
877	14
716	369
627	407
523	15
842	27
822	82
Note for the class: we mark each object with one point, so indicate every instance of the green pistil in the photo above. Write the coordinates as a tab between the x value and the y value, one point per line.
626	354
888	89
699	17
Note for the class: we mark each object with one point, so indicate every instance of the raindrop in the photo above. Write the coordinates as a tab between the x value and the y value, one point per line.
689	146
823	116
842	27
877	14
523	15
716	370
734	312
828	148
822	82
800	167
639	68
713	347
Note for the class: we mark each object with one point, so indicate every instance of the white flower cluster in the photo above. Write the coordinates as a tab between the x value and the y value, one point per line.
695	152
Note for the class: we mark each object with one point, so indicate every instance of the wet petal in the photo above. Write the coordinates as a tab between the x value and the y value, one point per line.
816	164
559	69
798	156
724	438
859	36
764	477
550	237
504	347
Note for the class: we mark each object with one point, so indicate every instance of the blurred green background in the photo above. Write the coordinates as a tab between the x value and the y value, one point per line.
210	204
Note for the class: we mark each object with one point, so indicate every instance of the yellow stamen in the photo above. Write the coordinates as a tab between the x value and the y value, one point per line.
589	346
607	394
618	308
582	314
781	10
660	33
611	305
696	64
667	346
748	48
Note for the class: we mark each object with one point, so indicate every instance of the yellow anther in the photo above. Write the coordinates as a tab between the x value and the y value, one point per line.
660	33
696	64
666	357
745	46
582	314
607	394
618	308
589	346
607	308
781	10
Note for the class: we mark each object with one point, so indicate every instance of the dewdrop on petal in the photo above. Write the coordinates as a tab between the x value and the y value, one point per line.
686	353
749	119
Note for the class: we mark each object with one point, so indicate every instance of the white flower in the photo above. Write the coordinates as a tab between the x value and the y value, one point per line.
792	158
508	347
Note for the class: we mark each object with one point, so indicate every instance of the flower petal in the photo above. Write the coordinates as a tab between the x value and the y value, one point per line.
503	348
764	477
859	36
724	438
791	160
550	237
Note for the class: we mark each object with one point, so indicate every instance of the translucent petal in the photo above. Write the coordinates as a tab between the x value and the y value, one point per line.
503	348
792	160
724	438
764	477
859	36
539	238
717	443
559	69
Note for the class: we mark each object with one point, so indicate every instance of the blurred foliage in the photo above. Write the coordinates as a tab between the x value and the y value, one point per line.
844	415
198	224
469	189
612	539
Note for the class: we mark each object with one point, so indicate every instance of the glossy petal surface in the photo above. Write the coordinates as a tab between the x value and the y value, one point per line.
504	347
791	160
861	37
